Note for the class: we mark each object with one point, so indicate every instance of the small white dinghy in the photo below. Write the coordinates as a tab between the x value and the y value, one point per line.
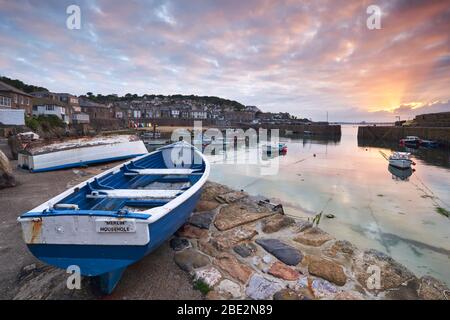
401	160
80	152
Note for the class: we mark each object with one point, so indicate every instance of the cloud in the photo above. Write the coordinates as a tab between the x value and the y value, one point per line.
303	57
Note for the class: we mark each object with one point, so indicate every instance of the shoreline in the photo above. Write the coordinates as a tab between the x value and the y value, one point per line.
235	246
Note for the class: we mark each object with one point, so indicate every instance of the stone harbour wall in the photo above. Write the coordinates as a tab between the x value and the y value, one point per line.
236	246
390	133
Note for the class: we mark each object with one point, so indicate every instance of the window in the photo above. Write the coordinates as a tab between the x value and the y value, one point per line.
21	100
5	101
28	101
49	108
15	98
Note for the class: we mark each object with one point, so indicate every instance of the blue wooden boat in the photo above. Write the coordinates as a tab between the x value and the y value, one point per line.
116	218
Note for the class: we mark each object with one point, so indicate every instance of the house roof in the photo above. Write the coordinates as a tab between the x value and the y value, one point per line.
47	101
90	104
8	88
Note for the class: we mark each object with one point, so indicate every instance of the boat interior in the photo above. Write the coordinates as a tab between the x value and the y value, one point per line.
140	185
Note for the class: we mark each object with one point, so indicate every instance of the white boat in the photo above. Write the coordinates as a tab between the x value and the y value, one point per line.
80	152
114	219
401	160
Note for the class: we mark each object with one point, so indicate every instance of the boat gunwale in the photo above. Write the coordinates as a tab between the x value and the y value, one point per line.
154	213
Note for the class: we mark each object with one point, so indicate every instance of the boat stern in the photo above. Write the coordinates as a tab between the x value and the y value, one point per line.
96	244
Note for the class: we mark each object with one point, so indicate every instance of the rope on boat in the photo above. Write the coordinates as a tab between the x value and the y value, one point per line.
383	154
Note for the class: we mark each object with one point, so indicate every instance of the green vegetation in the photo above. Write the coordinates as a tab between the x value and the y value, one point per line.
45	123
99	98
201	286
443	212
22	86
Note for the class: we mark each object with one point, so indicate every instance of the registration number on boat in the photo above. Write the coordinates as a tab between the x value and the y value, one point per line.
115	226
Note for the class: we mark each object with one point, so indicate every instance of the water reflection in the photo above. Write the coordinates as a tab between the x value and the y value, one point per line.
352	180
400	174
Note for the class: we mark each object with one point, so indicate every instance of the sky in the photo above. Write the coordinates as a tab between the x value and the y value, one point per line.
302	57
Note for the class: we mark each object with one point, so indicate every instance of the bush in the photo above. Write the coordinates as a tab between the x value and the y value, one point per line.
32	123
46	123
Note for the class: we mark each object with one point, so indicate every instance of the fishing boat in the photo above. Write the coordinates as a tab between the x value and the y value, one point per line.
429	143
79	152
280	149
401	160
119	216
400	174
410	141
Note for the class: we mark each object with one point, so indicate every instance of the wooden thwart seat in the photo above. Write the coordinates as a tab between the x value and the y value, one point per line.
168	171
134	194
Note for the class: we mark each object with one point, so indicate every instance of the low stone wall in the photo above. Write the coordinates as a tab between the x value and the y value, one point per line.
440	134
331	131
237	247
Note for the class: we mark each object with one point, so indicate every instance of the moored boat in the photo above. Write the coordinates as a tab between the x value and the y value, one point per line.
429	143
117	217
281	149
410	141
80	152
401	160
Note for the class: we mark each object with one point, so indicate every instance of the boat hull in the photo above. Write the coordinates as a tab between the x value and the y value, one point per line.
98	226
82	156
400	163
95	260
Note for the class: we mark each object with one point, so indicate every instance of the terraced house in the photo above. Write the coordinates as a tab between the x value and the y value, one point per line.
11	97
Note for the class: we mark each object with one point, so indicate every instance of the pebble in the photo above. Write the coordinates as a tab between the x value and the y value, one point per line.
179	244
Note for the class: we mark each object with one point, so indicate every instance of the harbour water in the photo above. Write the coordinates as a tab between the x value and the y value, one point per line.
373	207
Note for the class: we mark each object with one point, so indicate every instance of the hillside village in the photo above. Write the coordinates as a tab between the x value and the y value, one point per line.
130	111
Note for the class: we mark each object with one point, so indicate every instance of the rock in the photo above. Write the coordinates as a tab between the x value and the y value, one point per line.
406	291
393	274
303	225
327	270
432	289
345	295
215	295
330	216
211	190
245	249
237	214
282	251
228	287
282	271
202	220
207	247
191	232
210	275
276	223
7	179
179	244
205	205
28	269
289	294
313	237
190	259
235	269
230	238
231	197
260	288
267	259
319	288
343	247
